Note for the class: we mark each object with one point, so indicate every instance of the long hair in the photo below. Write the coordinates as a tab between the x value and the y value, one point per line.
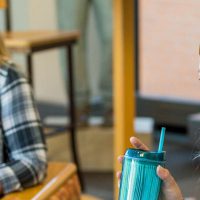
4	56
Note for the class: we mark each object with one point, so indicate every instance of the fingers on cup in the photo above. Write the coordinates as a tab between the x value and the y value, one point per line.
165	175
169	182
138	144
162	172
118	174
120	158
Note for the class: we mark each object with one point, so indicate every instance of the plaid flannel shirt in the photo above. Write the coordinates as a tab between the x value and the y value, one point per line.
22	147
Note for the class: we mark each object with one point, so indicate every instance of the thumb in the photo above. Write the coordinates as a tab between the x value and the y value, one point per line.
171	189
165	175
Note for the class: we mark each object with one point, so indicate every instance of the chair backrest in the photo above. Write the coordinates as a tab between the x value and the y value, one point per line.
65	186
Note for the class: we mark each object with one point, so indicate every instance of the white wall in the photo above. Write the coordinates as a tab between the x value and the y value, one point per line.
41	15
49	83
20	14
36	15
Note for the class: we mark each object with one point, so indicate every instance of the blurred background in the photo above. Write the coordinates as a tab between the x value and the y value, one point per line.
166	83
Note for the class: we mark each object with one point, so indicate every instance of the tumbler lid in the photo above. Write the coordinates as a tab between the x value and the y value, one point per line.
150	155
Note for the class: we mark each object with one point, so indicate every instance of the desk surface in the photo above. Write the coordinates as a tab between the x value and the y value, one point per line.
54	168
26	40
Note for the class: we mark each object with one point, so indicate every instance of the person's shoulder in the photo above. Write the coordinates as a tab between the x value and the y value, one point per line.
9	69
9	73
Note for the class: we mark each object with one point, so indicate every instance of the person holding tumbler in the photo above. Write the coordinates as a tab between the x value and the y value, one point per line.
170	188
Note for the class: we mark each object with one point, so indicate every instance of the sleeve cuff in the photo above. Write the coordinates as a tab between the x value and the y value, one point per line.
9	181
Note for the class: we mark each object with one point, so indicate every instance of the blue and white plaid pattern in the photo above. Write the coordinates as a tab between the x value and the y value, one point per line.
22	147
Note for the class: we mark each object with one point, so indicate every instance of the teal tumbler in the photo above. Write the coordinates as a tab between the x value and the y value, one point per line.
139	180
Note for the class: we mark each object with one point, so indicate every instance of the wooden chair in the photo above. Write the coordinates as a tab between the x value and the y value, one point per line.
65	186
31	42
61	183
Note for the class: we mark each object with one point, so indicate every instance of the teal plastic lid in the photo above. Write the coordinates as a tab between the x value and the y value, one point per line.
142	154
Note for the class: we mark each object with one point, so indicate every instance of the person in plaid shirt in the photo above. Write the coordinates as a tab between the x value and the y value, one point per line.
23	159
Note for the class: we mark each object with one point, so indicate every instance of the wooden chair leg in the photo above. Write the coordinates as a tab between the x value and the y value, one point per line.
70	85
29	63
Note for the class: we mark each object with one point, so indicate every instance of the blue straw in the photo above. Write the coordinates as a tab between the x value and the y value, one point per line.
162	137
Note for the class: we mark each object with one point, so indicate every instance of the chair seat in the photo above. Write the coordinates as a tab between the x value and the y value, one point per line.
26	42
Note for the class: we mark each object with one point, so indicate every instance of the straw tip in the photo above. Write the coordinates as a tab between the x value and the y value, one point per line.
162	137
163	128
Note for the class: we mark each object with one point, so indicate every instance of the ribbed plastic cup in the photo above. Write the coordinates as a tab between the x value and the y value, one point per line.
139	180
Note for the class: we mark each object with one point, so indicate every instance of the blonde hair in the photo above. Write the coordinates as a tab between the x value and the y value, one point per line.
4	56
